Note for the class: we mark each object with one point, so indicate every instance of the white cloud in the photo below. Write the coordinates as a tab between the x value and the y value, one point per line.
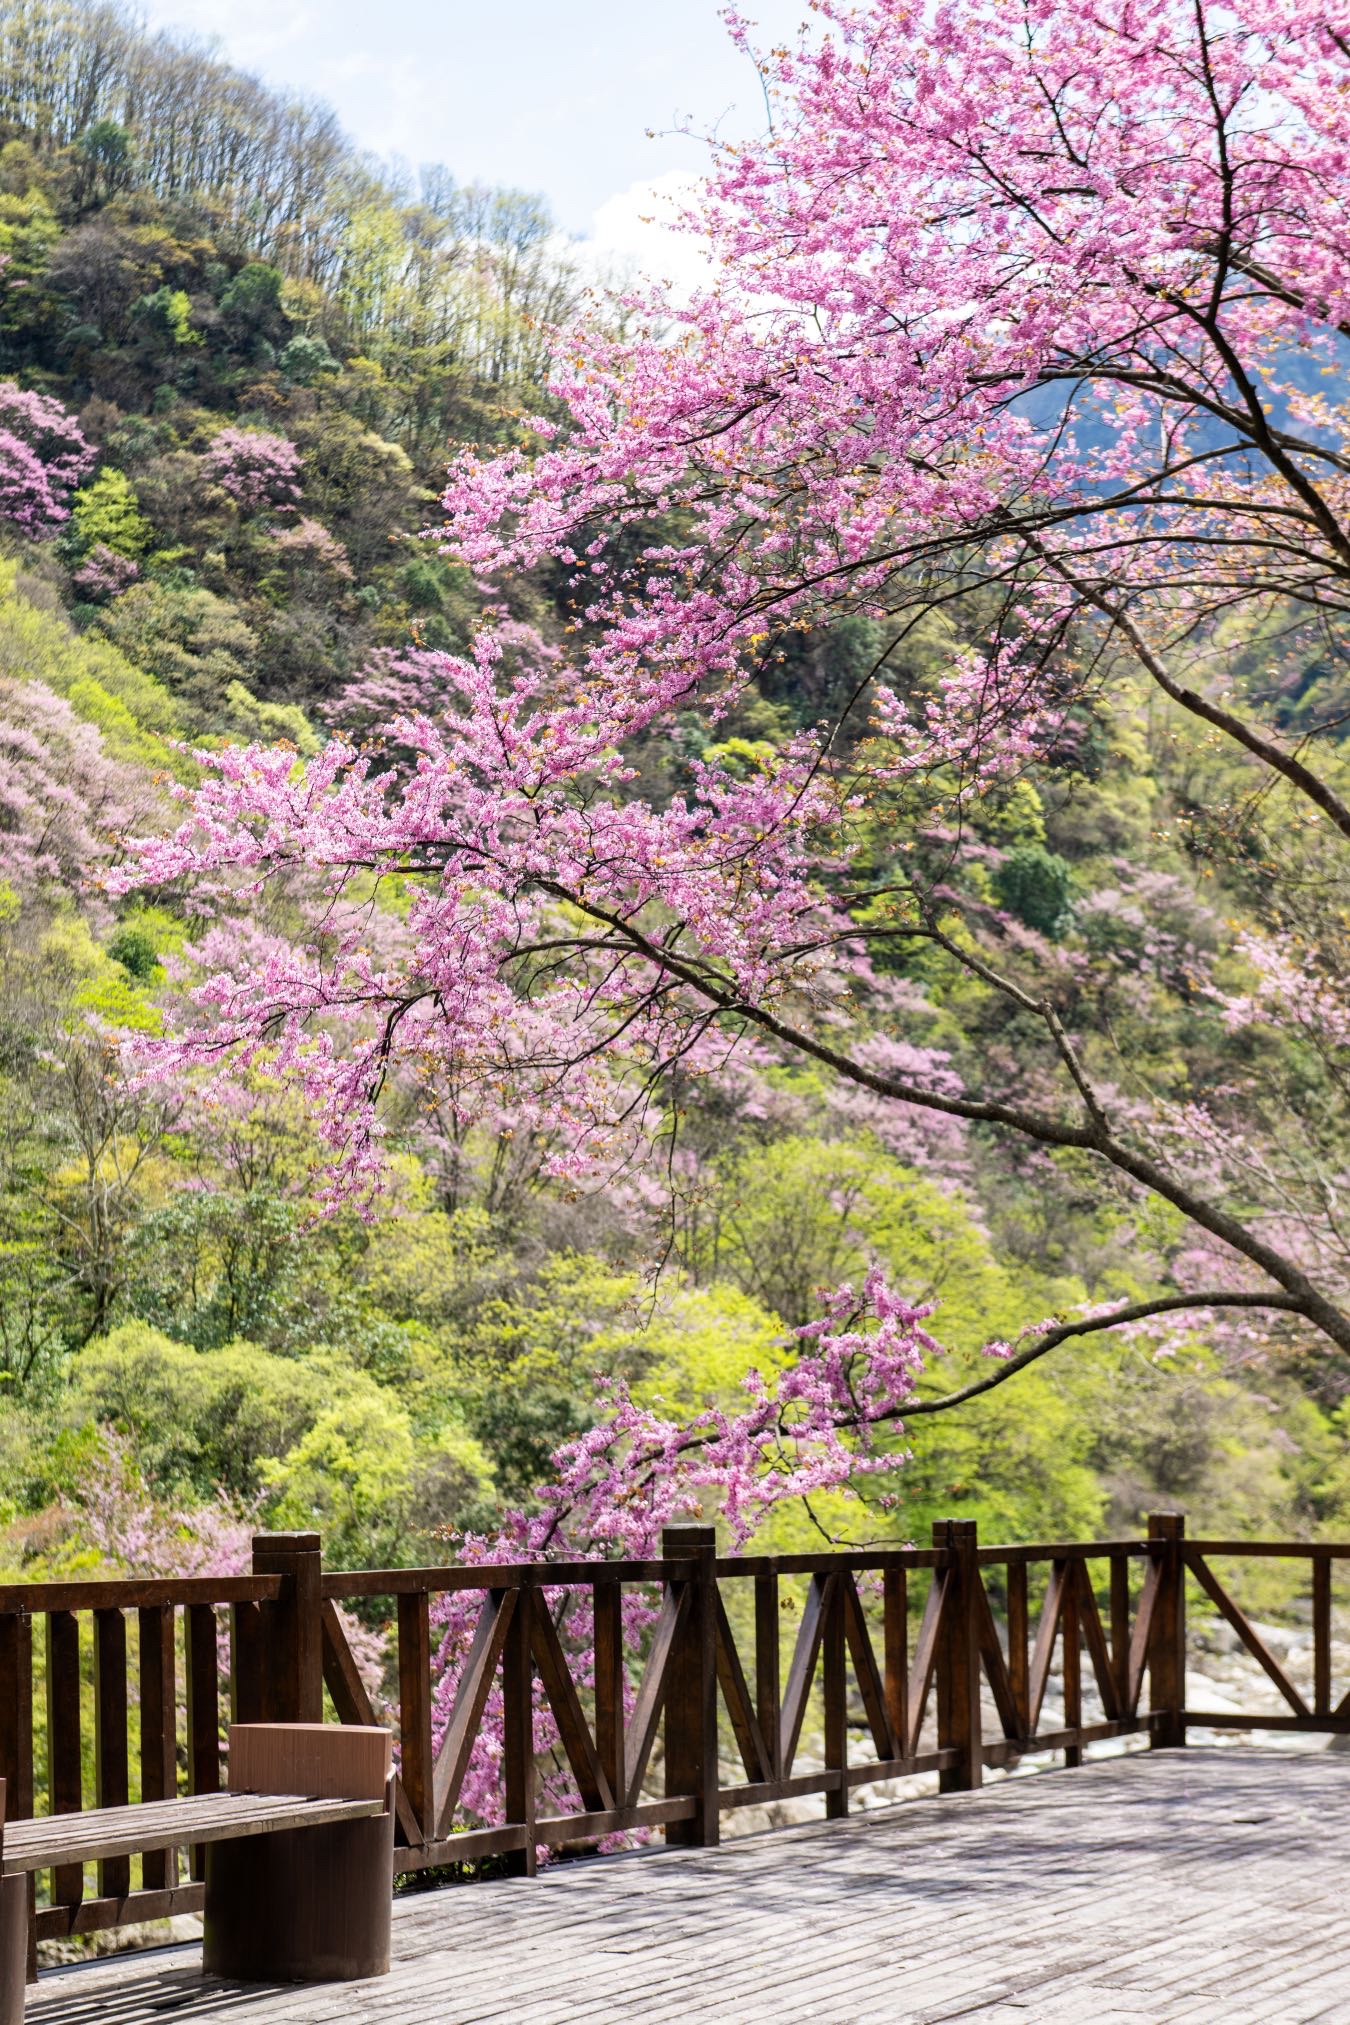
634	233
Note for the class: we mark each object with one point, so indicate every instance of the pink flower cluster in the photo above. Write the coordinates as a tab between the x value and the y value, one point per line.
257	469
831	1415
105	574
43	458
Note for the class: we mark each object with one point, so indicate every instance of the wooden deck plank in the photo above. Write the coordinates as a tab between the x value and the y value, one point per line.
1161	1888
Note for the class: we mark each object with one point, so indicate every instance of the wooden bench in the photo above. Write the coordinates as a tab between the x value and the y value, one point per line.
298	1857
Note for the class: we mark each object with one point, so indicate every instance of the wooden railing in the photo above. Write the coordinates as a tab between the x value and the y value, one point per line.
946	1659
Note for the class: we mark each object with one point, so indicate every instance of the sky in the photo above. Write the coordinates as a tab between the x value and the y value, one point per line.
548	95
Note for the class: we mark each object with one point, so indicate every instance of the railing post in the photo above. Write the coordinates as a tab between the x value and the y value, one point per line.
1167	1642
691	1697
292	1645
958	1661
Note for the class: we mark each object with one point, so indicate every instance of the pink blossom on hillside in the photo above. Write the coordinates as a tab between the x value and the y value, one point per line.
50	432
256	469
60	794
28	497
43	457
1004	307
104	573
310	543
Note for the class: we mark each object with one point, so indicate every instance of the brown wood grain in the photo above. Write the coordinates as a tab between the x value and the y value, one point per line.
515	1610
1098	1650
63	1740
1019	1659
416	1756
1141	1638
769	1665
649	1705
691	1691
926	1656
159	1743
1071	1660
1047	1630
1321	1631
834	1687
1167	1640
610	1686
16	1712
1120	1629
501	1607
99	1833
895	1639
329	1761
247	1701
736	1695
202	1659
802	1670
574	1733
871	1685
996	1666
111	1763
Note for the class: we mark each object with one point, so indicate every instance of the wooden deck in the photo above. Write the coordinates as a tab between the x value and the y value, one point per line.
1198	1885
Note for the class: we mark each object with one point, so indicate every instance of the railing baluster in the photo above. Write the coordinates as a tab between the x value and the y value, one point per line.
1019	1660
835	1690
203	1710
958	1673
246	1663
1167	1645
1120	1627
159	1745
16	1736
63	1739
1071	1655
1321	1631
691	1698
110	1737
16	1712
518	1730
895	1644
607	1604
769	1668
416	1758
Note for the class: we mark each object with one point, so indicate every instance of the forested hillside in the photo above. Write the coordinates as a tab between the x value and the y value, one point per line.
235	358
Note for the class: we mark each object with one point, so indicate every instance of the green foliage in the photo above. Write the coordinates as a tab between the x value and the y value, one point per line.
305	359
134	948
1035	885
167	315
106	511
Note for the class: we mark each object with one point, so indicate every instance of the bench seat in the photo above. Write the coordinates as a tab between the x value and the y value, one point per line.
167	1824
298	1855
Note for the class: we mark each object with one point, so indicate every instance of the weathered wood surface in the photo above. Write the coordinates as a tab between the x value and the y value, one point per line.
1183	1885
168	1824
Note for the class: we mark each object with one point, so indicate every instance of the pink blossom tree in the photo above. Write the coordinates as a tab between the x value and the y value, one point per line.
43	458
61	795
257	469
1034	321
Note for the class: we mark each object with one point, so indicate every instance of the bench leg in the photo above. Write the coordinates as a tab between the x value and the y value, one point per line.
14	1924
309	1905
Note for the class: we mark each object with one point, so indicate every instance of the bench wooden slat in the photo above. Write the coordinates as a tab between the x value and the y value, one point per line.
123	1831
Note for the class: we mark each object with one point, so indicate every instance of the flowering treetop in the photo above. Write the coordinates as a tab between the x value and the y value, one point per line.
1029	317
256	468
43	457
